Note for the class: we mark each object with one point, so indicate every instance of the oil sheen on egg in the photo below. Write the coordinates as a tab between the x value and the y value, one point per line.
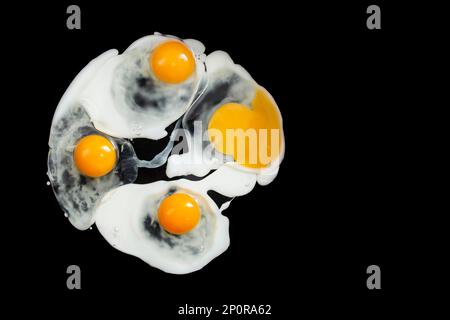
232	101
128	219
140	92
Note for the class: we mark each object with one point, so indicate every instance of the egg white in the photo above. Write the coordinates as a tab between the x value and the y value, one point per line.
123	214
201	158
111	96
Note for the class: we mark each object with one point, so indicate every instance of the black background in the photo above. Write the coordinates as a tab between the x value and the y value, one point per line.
340	203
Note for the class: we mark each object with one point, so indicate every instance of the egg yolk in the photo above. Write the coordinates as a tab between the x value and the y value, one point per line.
172	62
178	213
251	134
94	156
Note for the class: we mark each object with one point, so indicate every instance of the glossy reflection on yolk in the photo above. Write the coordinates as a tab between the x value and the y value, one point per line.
94	156
262	114
172	62
178	213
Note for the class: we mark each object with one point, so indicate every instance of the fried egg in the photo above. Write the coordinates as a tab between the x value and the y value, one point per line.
172	225
233	106
140	92
84	164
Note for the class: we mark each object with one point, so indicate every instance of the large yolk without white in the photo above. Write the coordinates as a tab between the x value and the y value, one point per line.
259	120
178	213
172	62
94	156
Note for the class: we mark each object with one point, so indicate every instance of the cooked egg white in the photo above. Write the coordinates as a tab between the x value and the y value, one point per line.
142	91
129	218
232	101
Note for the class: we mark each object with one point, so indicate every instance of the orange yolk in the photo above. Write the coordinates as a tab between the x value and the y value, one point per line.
252	135
172	62
178	213
94	156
